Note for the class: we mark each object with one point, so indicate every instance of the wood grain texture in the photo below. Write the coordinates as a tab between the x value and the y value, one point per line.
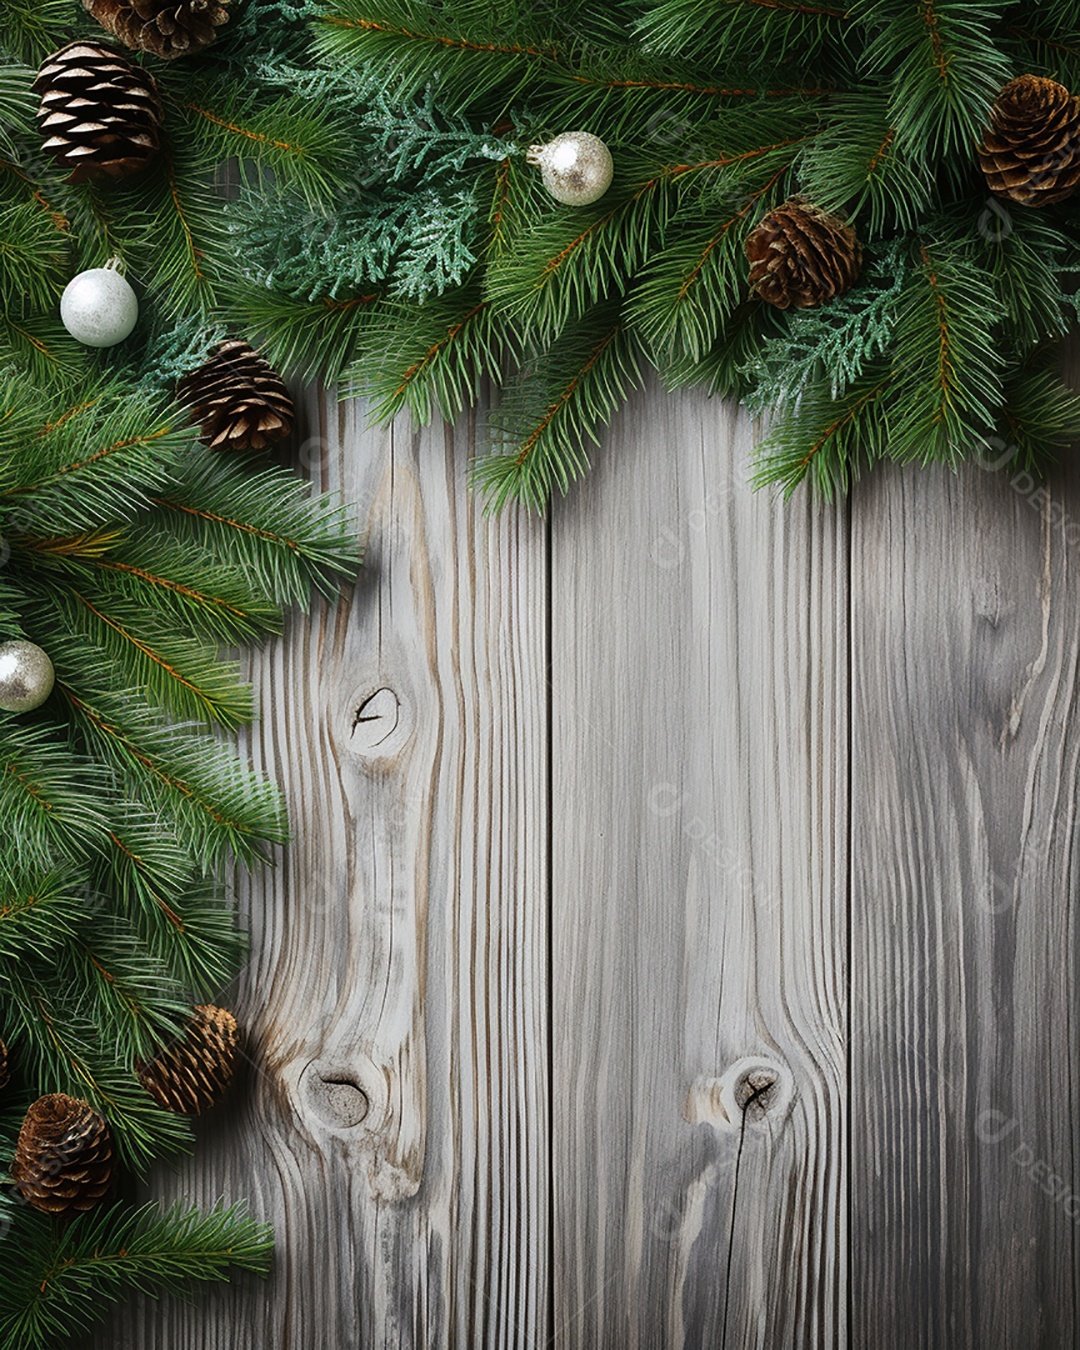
964	944
796	814
394	1123
699	644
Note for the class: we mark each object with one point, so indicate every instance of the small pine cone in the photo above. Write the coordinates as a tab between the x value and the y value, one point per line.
100	114
190	1074
64	1156
168	28
1031	149
801	256
239	401
5	1067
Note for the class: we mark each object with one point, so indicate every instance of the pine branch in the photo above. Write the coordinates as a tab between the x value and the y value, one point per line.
552	408
945	71
429	358
64	1277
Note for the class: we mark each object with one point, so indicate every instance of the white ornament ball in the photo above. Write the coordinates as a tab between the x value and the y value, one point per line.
99	308
576	167
26	676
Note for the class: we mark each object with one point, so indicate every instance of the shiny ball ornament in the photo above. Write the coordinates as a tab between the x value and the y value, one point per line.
576	167
99	308
26	676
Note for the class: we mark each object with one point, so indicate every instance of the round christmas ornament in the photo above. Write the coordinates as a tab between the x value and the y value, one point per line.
1031	150
98	307
26	676
576	167
64	1156
168	28
101	115
190	1074
801	256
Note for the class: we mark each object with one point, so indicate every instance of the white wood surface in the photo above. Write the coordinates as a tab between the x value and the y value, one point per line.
699	644
679	950
394	1125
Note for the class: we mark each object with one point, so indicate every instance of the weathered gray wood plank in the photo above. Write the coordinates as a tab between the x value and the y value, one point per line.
394	1127
964	1047
699	657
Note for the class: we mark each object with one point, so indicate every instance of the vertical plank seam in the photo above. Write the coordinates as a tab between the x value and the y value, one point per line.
549	869
849	871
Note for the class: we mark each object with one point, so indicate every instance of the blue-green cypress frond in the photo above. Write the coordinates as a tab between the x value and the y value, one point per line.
831	345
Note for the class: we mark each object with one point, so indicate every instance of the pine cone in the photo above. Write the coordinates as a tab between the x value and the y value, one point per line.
101	114
801	256
64	1156
238	400
1031	150
5	1067
191	1073
168	28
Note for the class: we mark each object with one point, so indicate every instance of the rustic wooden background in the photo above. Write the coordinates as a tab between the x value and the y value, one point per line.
678	945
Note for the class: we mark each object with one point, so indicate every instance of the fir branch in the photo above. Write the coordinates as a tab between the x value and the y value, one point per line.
429	358
64	1277
552	408
945	70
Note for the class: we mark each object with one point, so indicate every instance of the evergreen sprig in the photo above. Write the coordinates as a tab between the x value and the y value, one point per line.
715	113
133	555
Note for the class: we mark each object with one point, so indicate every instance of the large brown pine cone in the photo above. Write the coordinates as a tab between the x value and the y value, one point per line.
168	28
64	1157
238	400
190	1074
1031	149
801	256
100	114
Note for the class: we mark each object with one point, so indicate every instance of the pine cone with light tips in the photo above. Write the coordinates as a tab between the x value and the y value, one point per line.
239	401
168	28
801	256
191	1073
5	1067
64	1159
100	114
1031	150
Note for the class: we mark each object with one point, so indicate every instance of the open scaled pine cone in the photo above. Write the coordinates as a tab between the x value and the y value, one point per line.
64	1156
237	398
191	1073
801	256
100	114
1031	149
168	28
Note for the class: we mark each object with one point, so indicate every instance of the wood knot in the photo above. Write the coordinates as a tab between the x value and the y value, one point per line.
376	720
756	1091
753	1092
335	1096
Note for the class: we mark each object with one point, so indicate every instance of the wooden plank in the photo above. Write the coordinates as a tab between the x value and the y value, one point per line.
699	658
395	1123
964	1049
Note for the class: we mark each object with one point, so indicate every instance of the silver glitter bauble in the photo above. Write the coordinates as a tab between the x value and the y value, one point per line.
26	676
98	307
576	167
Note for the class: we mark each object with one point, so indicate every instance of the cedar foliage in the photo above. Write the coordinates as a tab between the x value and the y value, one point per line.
716	112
